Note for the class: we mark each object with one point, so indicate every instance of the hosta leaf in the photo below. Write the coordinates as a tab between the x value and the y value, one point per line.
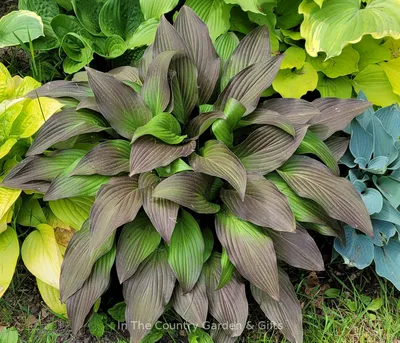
254	48
338	146
9	253
297	249
371	51
267	148
388	213
263	204
225	45
137	241
188	189
377	18
227	270
217	160
70	66
147	293
77	47
7	198
72	211
296	83
162	212
123	108
294	58
155	9
20	26
110	47
64	125
6	147
79	260
108	158
121	17
215	13
339	88
384	146
163	126
389	118
201	49
390	189
51	297
246	5
45	9
391	69
312	180
88	14
192	306
229	304
61	89
335	115
116	204
199	124
80	303
247	86
30	213
387	261
186	251
42	256
250	250
144	34
298	111
286	312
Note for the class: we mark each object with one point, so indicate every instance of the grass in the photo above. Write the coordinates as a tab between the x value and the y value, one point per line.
337	308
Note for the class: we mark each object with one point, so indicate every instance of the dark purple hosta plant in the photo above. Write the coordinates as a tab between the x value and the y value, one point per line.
206	191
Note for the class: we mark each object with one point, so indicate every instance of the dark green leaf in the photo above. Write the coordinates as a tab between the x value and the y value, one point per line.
227	270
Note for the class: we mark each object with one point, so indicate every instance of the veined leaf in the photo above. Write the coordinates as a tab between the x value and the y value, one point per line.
340	87
51	297
61	89
155	9
199	124
88	14
246	5
227	270
225	45
144	34
137	241
9	252
7	198
338	146
30	213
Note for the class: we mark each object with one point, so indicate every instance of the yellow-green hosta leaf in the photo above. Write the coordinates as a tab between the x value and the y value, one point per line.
6	83
246	5
296	83
394	46
144	34
344	64
28	84
6	219
340	22
42	256
295	57
392	70
319	2
34	116
371	51
9	112
9	252
7	198
337	88
156	8
51	297
375	84
6	146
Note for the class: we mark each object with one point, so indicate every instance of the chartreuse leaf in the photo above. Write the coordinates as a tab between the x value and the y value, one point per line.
27	84
246	5
9	252
147	293
312	180
9	335
51	297
137	241
20	26
88	13
371	51
257	264
72	211
339	88
121	18
227	270
295	57
217	160
163	126
6	219
225	45
7	198
286	311
296	83
391	69
155	8
30	213
349	21
144	34
42	256
186	251
214	13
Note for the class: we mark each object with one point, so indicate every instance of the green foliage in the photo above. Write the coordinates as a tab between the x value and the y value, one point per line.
374	162
177	179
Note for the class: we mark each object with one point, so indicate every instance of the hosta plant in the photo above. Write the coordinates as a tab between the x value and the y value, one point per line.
198	192
374	161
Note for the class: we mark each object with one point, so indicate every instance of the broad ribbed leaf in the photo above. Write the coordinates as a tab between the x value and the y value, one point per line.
191	190
267	148
62	89
247	86
312	180
297	249
161	212
201	49
79	260
64	125
81	302
335	115
225	45
217	160
286	312
36	172
218	335
263	204
116	204
137	241
229	304
338	146
250	250
186	251
208	237
108	158
149	153
311	144
227	270
198	125
147	294
252	49
127	73
298	111
123	108
192	306
163	126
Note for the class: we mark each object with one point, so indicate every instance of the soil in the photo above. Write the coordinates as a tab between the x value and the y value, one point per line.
7	6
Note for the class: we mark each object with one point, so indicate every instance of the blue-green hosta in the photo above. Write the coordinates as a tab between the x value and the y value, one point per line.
197	191
374	159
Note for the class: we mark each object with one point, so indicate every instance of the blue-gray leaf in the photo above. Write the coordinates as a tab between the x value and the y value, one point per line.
383	231
387	262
